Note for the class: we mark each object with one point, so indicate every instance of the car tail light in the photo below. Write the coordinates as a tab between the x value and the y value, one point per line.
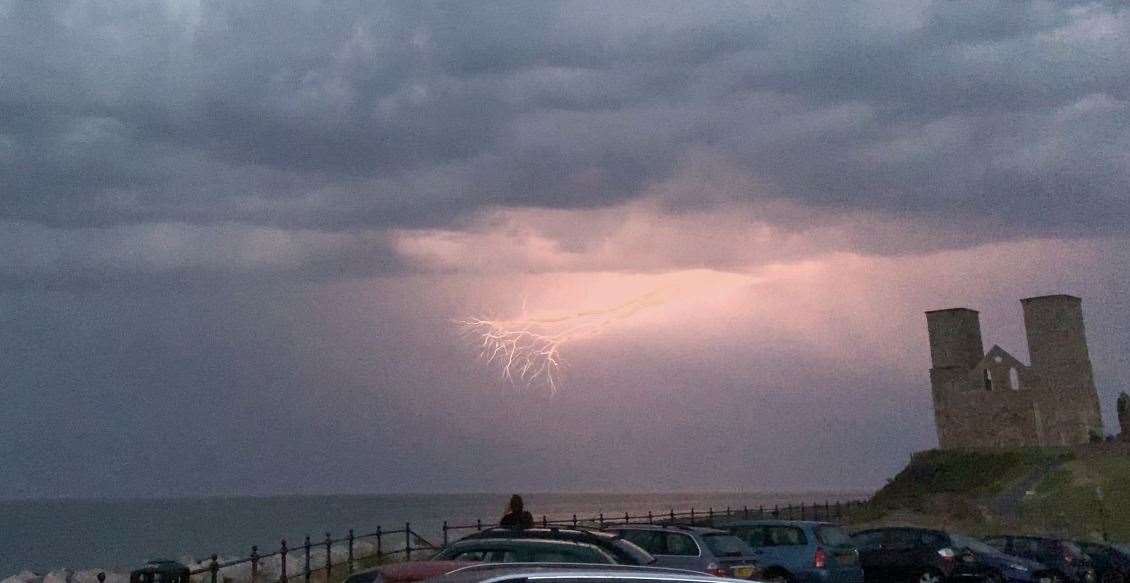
948	556
717	570
819	559
1068	557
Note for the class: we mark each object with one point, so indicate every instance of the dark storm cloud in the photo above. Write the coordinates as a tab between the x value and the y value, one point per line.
364	115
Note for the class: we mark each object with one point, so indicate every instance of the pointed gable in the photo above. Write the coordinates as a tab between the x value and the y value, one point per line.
999	370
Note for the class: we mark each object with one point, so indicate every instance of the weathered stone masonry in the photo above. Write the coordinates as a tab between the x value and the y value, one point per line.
984	400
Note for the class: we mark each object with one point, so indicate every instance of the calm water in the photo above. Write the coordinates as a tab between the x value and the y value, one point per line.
87	534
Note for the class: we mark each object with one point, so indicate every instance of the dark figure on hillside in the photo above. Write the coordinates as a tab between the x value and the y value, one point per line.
516	516
1124	416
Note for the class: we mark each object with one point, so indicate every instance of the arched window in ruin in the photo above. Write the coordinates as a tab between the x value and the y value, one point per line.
1014	378
988	380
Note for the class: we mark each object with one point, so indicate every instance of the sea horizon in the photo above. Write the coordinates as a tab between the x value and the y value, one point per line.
114	534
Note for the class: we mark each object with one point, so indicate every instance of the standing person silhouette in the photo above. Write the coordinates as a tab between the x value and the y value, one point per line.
516	516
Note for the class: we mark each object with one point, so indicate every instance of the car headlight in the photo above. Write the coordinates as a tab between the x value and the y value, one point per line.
1018	567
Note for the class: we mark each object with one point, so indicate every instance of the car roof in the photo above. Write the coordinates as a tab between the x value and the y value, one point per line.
780	522
669	527
541	533
523	542
548	571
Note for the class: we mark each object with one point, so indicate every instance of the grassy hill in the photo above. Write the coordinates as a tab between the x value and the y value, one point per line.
1080	492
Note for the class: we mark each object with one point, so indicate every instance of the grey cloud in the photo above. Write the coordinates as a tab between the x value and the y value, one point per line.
370	115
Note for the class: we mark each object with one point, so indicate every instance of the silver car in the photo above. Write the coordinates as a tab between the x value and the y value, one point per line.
695	548
573	573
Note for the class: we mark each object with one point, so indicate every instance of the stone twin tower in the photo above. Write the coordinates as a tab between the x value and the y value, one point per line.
994	400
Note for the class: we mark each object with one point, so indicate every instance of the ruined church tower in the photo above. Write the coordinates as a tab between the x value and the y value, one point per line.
992	399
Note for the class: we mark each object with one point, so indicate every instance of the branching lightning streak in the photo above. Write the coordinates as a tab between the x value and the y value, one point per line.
528	349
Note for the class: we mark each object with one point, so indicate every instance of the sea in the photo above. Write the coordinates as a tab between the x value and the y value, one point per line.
114	535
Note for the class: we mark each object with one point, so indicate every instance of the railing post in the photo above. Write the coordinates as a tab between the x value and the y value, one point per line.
727	512
649	519
349	542
282	561
802	510
760	511
827	510
306	570
101	577
329	557
710	515
479	523
445	533
254	564
692	515
602	520
776	511
672	514
214	567
627	518
380	552
407	541
544	521
574	521
745	511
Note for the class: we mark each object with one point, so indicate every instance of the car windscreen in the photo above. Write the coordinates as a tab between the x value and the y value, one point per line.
630	553
832	536
725	545
974	545
1073	548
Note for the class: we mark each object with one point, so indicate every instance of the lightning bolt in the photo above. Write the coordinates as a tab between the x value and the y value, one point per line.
528	349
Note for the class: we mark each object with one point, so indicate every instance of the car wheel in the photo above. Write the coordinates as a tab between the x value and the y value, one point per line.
930	576
778	577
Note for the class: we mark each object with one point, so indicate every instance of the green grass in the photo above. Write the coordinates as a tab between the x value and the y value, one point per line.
968	473
1035	490
1067	501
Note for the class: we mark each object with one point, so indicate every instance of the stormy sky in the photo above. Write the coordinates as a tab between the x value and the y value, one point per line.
237	236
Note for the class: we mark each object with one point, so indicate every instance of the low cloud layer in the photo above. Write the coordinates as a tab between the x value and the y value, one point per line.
1003	121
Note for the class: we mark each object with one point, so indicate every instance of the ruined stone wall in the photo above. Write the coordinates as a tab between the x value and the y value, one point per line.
994	400
1034	416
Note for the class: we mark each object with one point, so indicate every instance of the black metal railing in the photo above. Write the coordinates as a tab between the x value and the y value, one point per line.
317	559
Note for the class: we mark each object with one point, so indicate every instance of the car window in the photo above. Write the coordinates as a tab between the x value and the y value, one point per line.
649	540
725	545
998	542
754	536
931	539
901	539
832	536
468	556
974	545
1027	546
784	536
569	555
869	540
681	544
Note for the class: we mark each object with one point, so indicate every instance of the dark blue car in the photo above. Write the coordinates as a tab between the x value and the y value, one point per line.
800	551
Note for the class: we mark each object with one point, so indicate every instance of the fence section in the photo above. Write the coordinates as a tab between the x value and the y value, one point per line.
328	560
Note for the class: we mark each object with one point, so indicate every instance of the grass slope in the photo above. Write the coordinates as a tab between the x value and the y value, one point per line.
1034	490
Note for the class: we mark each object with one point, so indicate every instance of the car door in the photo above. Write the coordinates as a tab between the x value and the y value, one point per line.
871	556
789	545
902	554
681	551
757	538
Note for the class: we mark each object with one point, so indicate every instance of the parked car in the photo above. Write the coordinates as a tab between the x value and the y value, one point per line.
512	550
548	573
924	555
696	548
623	551
1066	560
1112	562
799	551
406	572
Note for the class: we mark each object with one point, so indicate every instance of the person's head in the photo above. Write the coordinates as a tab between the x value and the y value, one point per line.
516	504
